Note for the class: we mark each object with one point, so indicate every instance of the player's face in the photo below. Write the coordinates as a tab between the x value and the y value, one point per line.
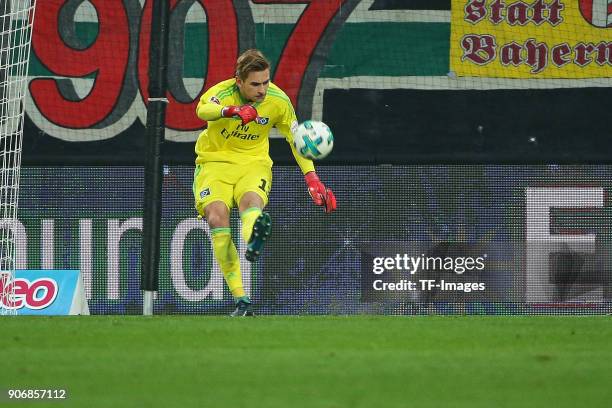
255	86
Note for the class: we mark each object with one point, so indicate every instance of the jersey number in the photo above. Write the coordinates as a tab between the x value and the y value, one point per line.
263	185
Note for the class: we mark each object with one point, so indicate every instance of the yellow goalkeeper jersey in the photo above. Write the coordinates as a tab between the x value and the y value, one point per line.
227	140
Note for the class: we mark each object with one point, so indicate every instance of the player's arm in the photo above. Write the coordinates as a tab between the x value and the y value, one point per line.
305	164
209	111
210	108
321	195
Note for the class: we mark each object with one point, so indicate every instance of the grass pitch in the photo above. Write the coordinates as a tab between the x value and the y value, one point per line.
331	362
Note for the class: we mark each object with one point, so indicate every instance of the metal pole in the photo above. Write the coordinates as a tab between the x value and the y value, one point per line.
155	130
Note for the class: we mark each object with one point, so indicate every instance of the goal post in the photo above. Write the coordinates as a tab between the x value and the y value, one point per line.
16	22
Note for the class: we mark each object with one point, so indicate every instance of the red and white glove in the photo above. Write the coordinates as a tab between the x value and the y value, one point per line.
321	195
246	113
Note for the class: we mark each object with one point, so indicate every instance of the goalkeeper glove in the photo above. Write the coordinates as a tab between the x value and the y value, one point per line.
246	113
321	195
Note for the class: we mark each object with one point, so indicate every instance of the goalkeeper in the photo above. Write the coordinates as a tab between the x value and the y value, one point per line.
233	166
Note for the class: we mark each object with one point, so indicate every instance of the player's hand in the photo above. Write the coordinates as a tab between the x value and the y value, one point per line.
246	113
321	195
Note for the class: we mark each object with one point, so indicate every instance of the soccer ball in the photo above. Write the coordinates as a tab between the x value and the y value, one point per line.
313	140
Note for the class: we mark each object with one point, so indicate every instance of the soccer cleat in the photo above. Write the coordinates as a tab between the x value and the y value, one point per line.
243	308
261	231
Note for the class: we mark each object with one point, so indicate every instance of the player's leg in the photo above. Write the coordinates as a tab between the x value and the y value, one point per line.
226	254
251	193
251	207
214	199
218	218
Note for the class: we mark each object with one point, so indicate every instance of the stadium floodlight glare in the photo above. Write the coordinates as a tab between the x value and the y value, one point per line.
16	20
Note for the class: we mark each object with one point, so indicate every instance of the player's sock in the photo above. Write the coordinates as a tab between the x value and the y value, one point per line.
248	217
227	256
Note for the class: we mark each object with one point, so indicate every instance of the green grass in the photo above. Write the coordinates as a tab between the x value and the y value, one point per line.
332	362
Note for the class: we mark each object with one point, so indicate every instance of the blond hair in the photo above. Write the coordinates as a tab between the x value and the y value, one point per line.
251	61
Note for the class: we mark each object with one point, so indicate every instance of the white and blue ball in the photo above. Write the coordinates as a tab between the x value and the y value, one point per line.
313	139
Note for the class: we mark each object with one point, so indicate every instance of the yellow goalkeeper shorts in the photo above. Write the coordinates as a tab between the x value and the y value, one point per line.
228	182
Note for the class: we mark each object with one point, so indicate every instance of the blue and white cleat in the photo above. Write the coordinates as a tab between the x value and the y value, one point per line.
243	308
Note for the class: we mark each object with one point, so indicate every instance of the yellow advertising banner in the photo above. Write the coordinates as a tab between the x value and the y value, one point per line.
531	38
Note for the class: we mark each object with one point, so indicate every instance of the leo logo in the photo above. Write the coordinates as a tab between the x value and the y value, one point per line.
20	292
204	193
262	121
214	99
597	12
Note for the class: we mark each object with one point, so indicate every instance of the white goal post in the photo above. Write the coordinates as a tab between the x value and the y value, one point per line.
16	22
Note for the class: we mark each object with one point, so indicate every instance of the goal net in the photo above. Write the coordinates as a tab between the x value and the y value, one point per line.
481	83
16	19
